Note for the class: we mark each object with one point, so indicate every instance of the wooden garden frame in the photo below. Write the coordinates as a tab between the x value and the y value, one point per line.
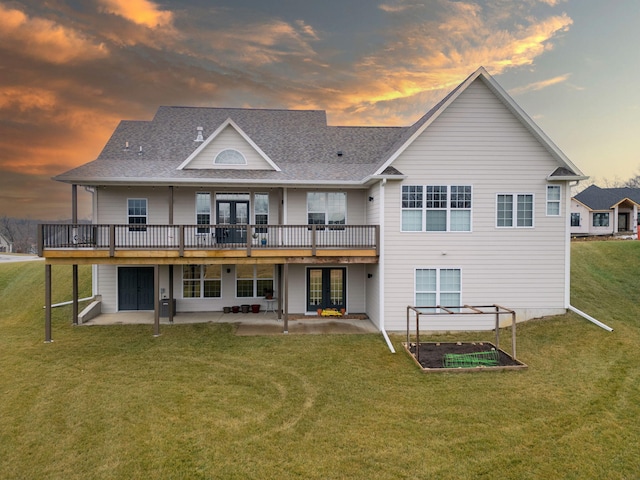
439	310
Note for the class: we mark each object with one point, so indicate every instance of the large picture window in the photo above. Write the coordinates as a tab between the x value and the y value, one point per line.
137	214
326	208
437	286
514	210
436	208
201	281
253	280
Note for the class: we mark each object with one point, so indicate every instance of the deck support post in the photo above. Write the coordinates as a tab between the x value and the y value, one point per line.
47	304
74	221
156	300
170	293
285	298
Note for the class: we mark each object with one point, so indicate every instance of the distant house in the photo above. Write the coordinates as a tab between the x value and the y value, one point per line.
605	211
5	244
213	207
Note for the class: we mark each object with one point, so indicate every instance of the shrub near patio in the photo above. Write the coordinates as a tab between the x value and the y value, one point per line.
200	402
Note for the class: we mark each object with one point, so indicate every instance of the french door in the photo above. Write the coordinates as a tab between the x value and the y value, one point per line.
236	214
326	288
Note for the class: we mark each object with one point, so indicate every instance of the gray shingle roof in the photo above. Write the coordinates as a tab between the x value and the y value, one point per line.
299	142
597	198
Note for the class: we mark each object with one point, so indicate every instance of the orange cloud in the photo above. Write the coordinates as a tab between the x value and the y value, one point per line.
140	12
46	40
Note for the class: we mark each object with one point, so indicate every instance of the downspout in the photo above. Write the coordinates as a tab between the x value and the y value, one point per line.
590	318
94	219
381	268
568	270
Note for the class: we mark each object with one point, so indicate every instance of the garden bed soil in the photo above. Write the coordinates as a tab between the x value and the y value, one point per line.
432	356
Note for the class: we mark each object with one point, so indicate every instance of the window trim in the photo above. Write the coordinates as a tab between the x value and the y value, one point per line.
579	217
202	280
255	214
134	226
203	230
514	209
219	158
423	193
326	211
593	219
554	202
438	291
254	280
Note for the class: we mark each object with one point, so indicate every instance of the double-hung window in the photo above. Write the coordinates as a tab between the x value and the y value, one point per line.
261	211
137	214
201	281
438	286
514	210
326	208
203	211
436	208
553	200
253	280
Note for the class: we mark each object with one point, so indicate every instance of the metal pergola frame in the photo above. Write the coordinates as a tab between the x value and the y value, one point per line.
439	310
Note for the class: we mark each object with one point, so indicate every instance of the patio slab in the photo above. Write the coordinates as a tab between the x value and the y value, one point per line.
246	324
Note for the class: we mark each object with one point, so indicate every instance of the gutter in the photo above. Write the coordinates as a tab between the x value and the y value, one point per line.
590	318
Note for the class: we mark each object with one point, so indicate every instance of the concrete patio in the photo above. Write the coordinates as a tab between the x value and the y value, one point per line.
246	323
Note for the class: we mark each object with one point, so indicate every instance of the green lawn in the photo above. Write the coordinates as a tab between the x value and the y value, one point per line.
198	402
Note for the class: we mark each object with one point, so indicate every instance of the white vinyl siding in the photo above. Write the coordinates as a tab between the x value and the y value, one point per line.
477	141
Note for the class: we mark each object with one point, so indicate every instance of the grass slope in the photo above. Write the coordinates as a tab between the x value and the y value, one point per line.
199	402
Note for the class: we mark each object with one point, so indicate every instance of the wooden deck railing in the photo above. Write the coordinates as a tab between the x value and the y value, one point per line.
206	237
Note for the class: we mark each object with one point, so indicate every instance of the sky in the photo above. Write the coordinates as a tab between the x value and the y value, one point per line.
70	70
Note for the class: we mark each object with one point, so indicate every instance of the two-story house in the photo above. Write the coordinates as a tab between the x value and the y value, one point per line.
213	207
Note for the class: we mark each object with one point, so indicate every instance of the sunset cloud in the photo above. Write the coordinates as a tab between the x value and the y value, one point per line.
141	12
535	86
46	40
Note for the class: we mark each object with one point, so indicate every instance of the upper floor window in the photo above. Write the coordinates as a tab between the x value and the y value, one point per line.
230	157
261	210
601	219
201	281
575	219
553	200
137	214
203	211
436	208
514	210
326	208
438	286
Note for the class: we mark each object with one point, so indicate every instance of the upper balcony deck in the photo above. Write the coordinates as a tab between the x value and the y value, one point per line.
224	243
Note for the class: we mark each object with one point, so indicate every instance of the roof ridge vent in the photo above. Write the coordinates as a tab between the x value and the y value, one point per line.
199	137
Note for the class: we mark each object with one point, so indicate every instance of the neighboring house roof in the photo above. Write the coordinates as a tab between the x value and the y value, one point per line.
298	145
596	198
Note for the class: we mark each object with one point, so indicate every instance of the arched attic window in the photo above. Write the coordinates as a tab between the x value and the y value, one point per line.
230	157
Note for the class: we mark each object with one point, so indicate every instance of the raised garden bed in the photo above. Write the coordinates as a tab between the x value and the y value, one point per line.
459	357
